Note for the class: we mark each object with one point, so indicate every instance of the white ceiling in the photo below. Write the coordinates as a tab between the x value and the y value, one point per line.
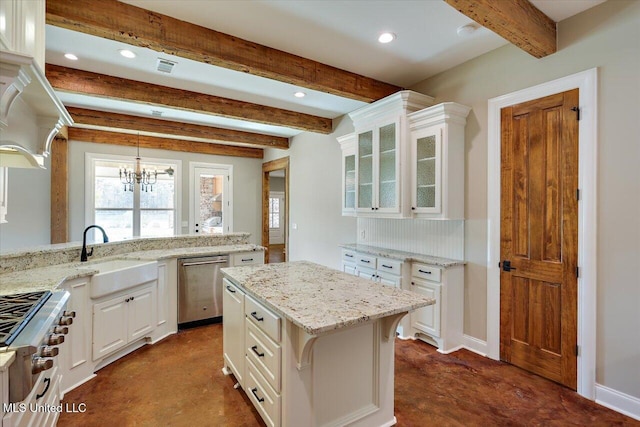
342	34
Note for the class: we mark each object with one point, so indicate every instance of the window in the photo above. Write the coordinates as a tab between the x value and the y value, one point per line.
274	212
123	213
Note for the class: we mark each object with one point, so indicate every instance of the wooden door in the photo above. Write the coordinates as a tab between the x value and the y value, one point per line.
539	236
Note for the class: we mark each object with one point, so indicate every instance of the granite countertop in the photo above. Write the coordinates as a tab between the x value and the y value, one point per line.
51	277
319	299
404	256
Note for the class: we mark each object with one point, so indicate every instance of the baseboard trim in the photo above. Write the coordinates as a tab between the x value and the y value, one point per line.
618	401
475	345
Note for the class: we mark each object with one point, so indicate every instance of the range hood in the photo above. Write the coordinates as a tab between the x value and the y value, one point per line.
31	115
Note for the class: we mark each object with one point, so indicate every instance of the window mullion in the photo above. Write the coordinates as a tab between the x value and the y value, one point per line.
136	211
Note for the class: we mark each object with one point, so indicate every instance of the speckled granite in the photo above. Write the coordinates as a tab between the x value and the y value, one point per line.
319	299
51	277
403	256
65	253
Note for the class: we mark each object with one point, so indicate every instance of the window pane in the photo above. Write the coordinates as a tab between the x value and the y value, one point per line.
156	223
117	224
109	189
160	195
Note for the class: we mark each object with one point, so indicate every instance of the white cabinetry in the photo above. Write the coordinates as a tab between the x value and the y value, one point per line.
123	319
349	261
233	330
167	300
3	194
247	258
381	139
76	362
383	270
440	324
437	161
348	146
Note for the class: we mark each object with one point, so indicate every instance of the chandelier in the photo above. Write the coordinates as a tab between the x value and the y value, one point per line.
140	175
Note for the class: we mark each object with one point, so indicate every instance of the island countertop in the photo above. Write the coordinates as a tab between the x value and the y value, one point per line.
319	299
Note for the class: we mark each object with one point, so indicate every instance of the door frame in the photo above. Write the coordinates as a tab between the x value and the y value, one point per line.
268	167
586	82
192	189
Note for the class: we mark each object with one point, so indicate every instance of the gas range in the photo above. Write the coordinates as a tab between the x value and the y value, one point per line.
33	325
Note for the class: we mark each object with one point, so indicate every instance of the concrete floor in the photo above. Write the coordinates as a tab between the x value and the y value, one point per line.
178	382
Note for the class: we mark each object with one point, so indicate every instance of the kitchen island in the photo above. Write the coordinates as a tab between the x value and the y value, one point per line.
313	346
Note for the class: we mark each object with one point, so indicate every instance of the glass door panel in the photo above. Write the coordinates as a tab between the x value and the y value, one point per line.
211	188
426	172
350	181
365	170
388	178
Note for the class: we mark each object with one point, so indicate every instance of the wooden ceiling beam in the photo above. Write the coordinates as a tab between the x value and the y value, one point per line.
104	119
517	21
85	82
131	140
135	26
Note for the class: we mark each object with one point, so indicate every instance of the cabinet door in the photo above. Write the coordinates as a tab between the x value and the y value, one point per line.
349	184
349	268
427	319
365	171
141	312
387	169
389	279
233	330
426	147
367	274
109	326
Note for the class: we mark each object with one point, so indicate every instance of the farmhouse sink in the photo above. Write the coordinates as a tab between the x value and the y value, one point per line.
120	274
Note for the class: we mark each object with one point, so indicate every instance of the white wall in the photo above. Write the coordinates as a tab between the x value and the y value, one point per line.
607	37
315	196
247	184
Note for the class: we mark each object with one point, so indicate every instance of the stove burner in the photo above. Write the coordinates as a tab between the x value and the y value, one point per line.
16	310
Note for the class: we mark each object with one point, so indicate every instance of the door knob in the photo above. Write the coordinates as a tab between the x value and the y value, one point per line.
506	265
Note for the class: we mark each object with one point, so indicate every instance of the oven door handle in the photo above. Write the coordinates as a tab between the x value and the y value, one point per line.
47	381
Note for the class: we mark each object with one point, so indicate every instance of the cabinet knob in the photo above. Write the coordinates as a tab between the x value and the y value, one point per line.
40	365
49	351
65	321
413	208
61	330
55	339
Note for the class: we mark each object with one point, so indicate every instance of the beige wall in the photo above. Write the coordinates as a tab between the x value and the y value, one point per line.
606	37
315	196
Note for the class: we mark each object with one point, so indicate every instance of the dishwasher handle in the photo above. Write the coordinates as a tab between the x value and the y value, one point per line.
189	264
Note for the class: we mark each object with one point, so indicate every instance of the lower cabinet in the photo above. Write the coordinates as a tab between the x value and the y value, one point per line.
123	319
247	258
75	362
233	330
383	270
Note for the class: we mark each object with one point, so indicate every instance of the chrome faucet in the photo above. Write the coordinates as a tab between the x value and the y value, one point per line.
84	256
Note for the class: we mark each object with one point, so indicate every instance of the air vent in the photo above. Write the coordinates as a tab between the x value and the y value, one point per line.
165	66
156	113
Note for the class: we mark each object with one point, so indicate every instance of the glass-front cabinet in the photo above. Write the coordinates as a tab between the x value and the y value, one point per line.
426	174
348	146
377	170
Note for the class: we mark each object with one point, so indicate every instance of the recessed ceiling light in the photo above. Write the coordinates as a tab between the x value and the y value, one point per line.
71	56
299	94
386	37
127	53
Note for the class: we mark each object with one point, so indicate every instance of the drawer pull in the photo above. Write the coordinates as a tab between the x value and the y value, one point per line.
348	255
387	266
255	393
425	272
255	350
230	289
47	381
247	259
254	315
365	261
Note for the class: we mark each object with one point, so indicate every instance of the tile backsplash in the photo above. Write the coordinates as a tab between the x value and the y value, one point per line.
437	238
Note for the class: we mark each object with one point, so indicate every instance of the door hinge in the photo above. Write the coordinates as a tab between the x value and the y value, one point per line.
578	194
577	272
577	350
577	110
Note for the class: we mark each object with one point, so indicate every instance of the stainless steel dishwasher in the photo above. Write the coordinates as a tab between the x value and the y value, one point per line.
200	289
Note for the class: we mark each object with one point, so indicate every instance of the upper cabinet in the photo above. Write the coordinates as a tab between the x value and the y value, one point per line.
437	161
22	28
405	159
381	142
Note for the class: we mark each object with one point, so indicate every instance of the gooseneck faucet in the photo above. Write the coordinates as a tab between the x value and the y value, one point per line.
84	256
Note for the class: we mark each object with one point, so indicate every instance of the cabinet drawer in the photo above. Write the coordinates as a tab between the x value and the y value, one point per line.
265	400
426	272
348	255
247	258
264	318
390	266
264	353
367	261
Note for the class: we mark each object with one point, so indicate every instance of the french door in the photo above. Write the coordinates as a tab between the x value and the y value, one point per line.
210	207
